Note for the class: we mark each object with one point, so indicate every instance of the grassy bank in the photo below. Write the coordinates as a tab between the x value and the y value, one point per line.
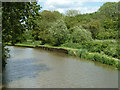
82	53
107	47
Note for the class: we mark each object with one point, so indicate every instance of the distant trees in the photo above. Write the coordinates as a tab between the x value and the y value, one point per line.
103	24
109	13
72	13
50	16
94	27
109	9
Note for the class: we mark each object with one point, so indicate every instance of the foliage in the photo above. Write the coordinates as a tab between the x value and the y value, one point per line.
50	16
58	33
47	18
103	24
94	27
70	21
82	53
107	47
109	9
72	45
72	13
16	18
79	34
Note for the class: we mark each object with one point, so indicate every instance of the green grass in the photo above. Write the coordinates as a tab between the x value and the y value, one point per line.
108	47
84	54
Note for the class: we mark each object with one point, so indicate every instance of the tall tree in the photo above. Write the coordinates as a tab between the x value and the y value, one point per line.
41	31
16	17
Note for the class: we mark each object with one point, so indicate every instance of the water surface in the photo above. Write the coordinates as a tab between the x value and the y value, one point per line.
36	68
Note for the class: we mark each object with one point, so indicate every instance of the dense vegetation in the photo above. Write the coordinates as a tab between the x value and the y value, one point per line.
95	32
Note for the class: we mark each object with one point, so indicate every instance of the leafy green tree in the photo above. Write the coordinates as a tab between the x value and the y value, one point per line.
41	31
109	9
79	34
70	21
72	13
110	24
16	18
94	27
50	16
58	33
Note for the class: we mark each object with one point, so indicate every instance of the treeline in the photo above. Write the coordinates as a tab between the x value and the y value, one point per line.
95	32
23	23
102	25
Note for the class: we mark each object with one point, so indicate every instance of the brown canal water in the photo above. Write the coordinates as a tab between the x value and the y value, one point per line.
37	68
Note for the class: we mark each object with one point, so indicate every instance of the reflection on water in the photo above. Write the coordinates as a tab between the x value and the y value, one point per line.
36	68
22	68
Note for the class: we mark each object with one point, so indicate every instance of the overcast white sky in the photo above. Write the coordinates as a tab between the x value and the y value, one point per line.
84	6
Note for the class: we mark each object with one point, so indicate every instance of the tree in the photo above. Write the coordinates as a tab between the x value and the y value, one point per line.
109	9
16	18
50	16
72	13
58	33
79	34
94	27
41	31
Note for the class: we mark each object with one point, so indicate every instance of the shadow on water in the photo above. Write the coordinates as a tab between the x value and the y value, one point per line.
21	68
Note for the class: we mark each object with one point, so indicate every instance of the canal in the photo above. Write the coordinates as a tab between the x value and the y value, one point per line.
37	68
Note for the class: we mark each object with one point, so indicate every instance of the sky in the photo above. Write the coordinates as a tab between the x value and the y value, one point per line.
84	6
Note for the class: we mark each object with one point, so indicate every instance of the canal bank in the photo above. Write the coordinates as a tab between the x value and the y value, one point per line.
82	53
